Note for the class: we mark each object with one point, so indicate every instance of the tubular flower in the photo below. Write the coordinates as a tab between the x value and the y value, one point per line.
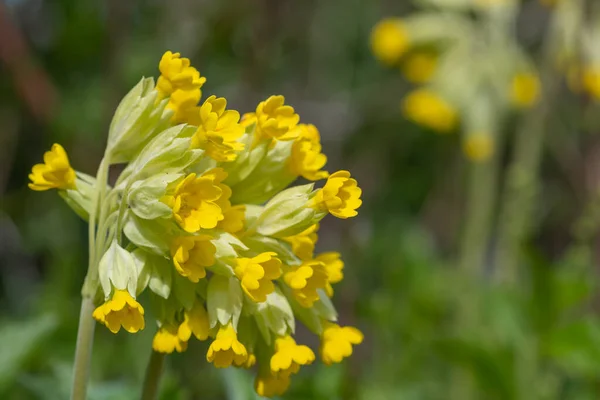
269	385
275	120
54	173
525	89
340	196
303	244
195	200
167	340
195	321
420	67
218	130
306	159
191	255
389	40
177	74
337	341
233	219
121	310
257	274
334	266
305	280
226	350
289	357
427	108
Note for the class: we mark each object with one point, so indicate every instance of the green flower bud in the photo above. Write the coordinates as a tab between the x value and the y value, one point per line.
273	316
224	300
117	268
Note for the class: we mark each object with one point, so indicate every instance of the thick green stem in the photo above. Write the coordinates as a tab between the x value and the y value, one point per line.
83	351
152	378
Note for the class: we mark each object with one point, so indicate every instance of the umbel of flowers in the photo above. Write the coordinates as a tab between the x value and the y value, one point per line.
202	226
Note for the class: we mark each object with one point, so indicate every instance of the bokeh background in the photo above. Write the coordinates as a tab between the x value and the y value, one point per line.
471	268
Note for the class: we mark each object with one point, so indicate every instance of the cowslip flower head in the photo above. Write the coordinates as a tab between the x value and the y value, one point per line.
257	274
121	310
337	341
289	357
226	349
389	40
268	385
192	254
218	130
525	90
429	109
196	200
303	244
306	158
167	340
305	280
177	74
54	173
333	266
340	196
275	120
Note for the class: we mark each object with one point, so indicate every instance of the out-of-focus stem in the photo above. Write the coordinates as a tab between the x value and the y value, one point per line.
83	350
152	378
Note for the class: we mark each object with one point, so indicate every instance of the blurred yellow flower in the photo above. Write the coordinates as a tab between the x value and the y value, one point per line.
419	67
389	40
306	158
333	266
195	321
591	81
337	341
525	89
269	385
167	340
289	356
427	108
54	173
479	146
121	310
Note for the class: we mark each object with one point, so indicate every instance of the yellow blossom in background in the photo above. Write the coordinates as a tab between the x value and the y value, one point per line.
257	274
121	310
275	120
289	356
218	130
419	67
191	255
226	350
306	159
340	196
427	108
195	321
389	40
525	89
303	244
250	362
167	340
177	74
337	341
333	266
591	81
195	200
54	173
305	280
269	385
479	146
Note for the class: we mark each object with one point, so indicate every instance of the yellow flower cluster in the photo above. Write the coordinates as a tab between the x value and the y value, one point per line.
202	219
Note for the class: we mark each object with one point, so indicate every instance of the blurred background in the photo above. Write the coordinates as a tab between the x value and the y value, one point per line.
471	125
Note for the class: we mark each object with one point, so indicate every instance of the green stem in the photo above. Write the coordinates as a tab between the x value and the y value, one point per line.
152	378
83	351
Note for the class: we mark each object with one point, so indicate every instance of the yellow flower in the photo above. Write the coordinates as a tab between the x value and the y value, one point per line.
256	275
305	280
226	350
183	103
54	173
334	266
248	119
303	244
479	146
426	108
195	321
275	120
218	130
233	219
306	158
389	40
337	341
167	340
525	89
250	361
269	385
176	73
289	357
420	67
121	310
192	254
196	200
340	196
591	81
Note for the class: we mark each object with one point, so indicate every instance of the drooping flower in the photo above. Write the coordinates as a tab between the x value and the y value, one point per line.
429	109
303	244
525	89
167	340
192	254
337	341
340	196
195	200
306	159
305	280
257	274
269	385
195	321
54	173
334	266
289	356
121	310
226	350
